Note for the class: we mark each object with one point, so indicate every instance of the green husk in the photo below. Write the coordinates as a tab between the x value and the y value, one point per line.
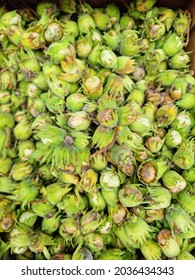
138	231
184	156
168	244
151	250
97	127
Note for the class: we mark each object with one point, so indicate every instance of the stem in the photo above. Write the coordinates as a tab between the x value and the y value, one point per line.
142	34
188	31
125	4
26	4
9	67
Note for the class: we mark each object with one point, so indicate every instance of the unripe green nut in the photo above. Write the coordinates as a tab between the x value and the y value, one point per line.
21	170
23	130
109	180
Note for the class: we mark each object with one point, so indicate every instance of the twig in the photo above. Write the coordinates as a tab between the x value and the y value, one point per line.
125	4
11	66
188	31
